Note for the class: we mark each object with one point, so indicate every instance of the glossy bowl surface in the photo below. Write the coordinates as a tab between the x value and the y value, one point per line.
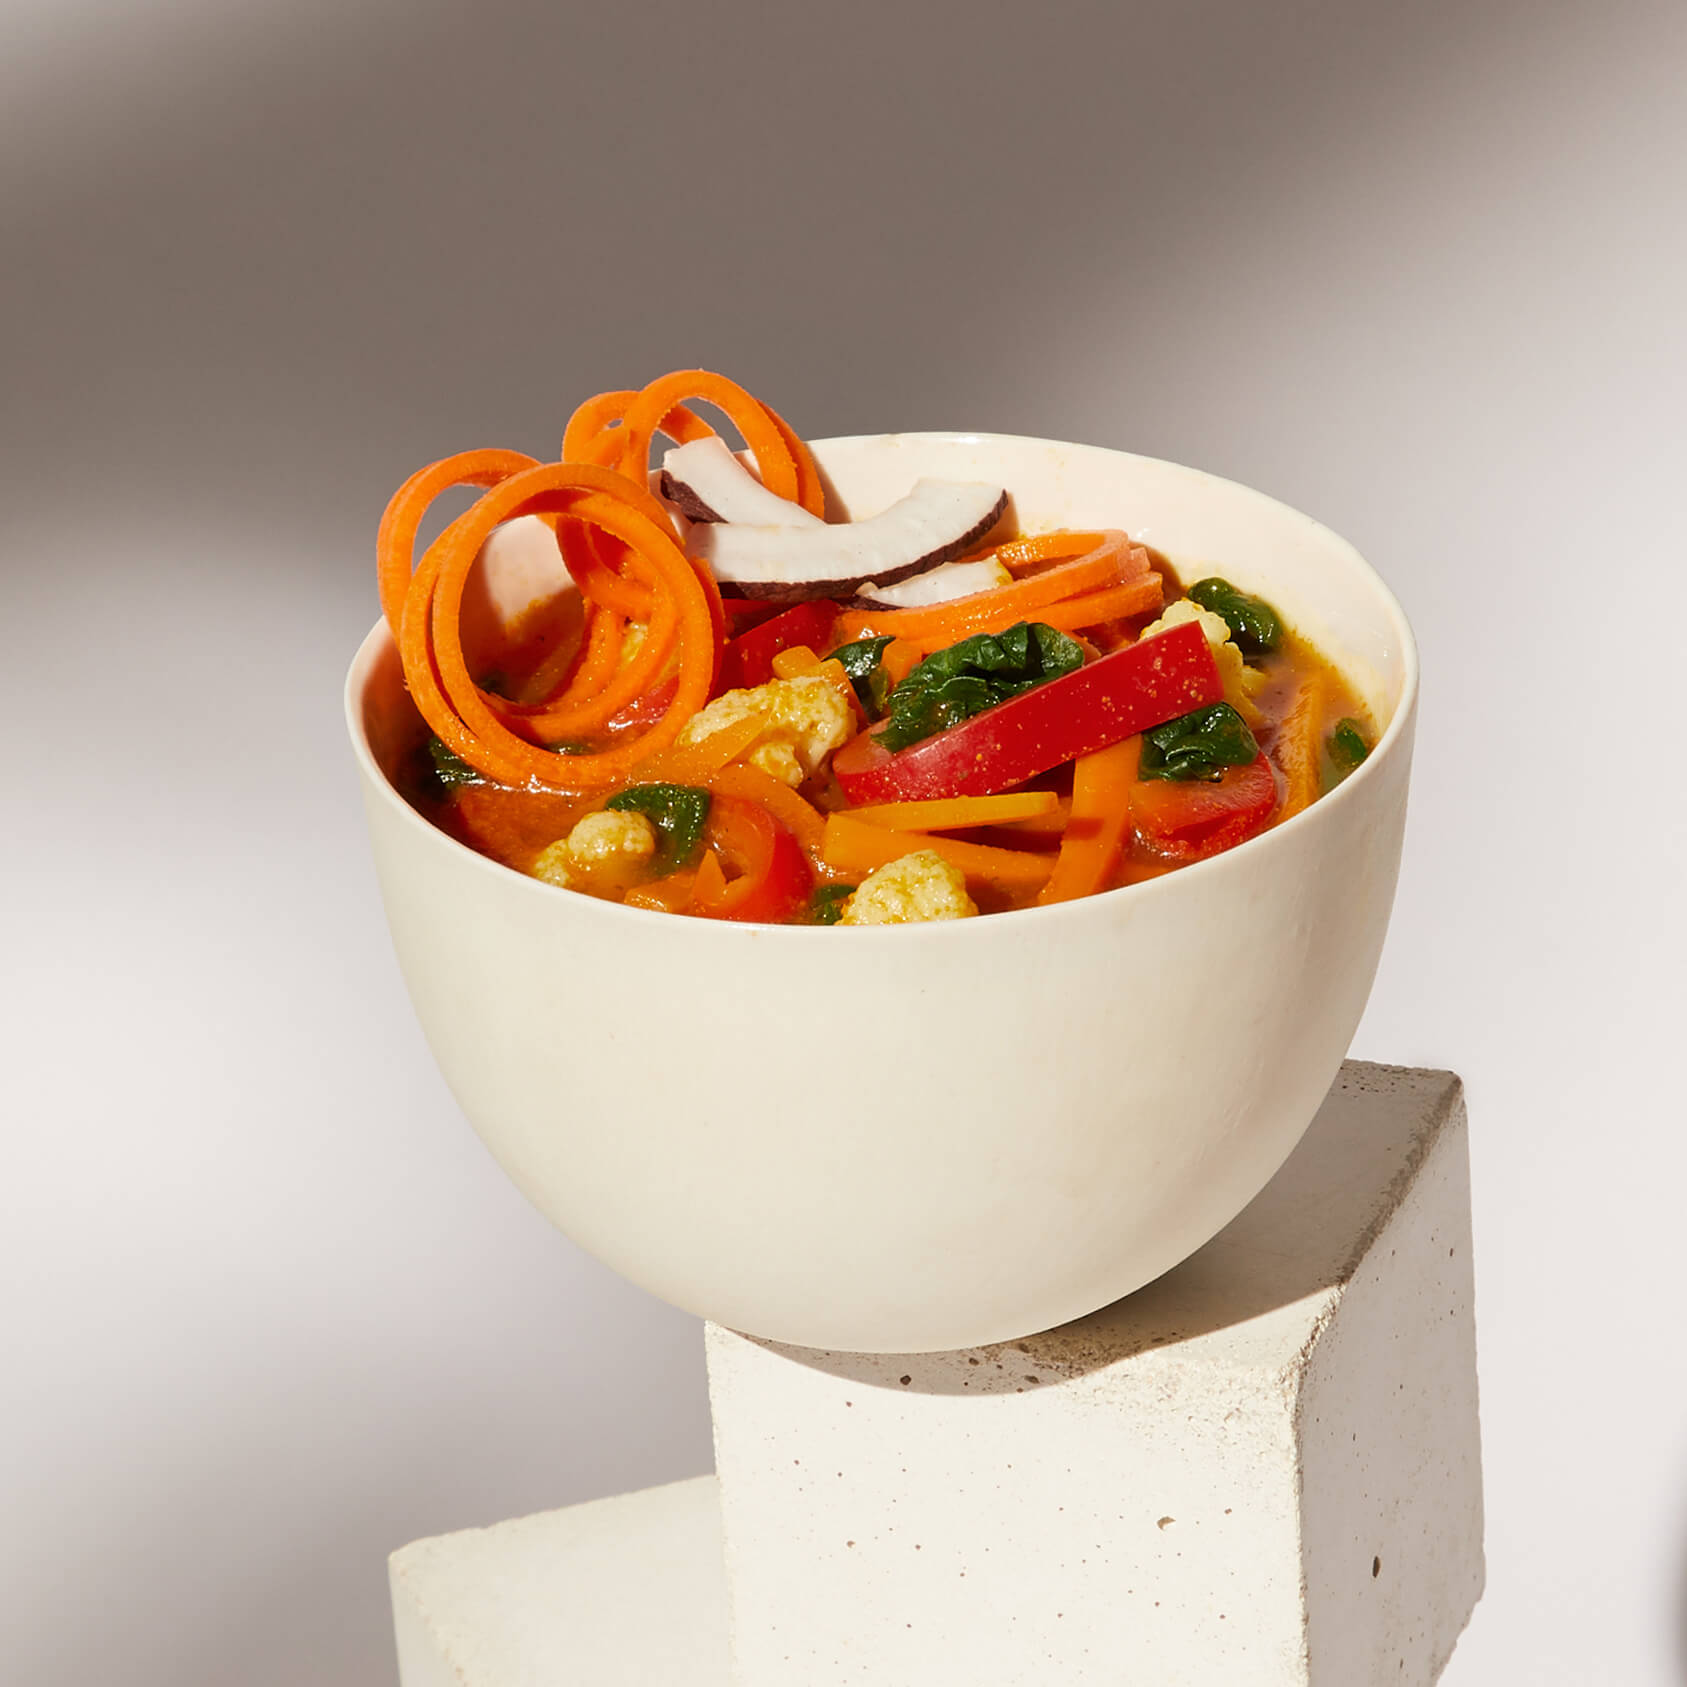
911	1138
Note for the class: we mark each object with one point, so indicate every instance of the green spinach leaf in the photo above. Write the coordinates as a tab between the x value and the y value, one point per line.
1199	745
826	904
1254	625
861	661
449	768
953	685
678	812
1347	744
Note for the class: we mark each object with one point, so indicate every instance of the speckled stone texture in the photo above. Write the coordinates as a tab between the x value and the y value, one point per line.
623	1592
1262	1470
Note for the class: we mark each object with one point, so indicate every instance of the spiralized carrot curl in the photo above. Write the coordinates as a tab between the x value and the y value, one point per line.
590	421
596	432
484	730
787	467
395	543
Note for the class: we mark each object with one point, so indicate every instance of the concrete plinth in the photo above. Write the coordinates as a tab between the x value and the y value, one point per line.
1260	1471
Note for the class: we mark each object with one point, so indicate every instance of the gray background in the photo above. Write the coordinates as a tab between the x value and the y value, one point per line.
268	1310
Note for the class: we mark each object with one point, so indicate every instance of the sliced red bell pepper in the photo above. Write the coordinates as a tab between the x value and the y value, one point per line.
1188	820
743	613
748	658
1111	698
644	709
774	878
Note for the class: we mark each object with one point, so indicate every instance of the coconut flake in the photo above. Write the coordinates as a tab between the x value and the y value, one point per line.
943	584
935	522
704	481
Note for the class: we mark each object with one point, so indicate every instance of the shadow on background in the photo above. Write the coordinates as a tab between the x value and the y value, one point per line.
305	271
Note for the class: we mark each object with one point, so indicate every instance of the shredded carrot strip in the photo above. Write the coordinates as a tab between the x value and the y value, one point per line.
1113	562
696	764
1018	555
801	819
1095	833
1117	603
1295	748
954	814
855	846
1050	825
395	544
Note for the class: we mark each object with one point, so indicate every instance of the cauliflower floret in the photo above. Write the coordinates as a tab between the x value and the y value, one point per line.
1239	680
611	847
807	719
921	886
555	865
612	836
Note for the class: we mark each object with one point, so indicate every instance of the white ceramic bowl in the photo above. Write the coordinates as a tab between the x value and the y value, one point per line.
909	1138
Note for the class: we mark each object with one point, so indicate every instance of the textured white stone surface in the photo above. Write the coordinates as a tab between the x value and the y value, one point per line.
1261	1471
625	1592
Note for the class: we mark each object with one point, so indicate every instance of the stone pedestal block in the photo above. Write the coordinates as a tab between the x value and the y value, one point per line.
1262	1470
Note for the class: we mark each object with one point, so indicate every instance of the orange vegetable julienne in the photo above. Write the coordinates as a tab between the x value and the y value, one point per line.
395	543
1018	555
1116	603
1100	818
470	721
955	814
857	846
1296	749
696	764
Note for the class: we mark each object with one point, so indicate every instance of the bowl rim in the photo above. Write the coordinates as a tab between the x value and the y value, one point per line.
379	641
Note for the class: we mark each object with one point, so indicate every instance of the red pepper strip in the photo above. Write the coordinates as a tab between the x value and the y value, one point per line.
1115	696
651	706
1188	820
774	878
743	613
748	659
